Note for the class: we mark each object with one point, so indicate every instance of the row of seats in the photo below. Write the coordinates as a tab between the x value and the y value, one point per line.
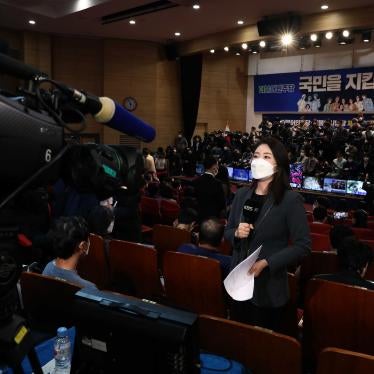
154	211
335	316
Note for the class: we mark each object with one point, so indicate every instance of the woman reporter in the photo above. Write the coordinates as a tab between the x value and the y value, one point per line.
278	223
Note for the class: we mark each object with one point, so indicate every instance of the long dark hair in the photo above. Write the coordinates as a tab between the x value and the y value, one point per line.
281	178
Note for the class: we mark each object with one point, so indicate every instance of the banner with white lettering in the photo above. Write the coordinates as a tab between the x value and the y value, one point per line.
330	91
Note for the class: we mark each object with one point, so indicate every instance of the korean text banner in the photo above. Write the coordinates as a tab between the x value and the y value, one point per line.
329	91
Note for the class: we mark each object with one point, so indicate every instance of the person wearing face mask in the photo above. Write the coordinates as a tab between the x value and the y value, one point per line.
209	192
70	238
278	222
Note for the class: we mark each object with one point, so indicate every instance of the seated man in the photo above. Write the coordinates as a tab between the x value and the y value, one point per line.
70	237
337	234
319	214
210	237
354	259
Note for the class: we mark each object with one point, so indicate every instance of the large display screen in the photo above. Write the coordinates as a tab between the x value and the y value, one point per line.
312	183
241	175
296	175
335	185
355	188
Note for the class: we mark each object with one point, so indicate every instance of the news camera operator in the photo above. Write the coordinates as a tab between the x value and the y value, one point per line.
267	213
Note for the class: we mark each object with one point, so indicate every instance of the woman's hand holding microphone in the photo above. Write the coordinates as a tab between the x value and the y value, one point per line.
242	232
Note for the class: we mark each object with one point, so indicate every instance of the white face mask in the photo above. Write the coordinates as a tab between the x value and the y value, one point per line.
110	227
261	168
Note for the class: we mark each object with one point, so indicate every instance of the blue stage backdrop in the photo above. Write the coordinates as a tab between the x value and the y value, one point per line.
328	91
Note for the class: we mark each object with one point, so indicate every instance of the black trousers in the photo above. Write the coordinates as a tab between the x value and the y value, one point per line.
247	312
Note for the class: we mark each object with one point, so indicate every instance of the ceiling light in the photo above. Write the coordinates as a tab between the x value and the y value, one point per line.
240	22
177	33
254	52
196	6
32	22
313	37
342	42
245	46
132	22
329	35
304	42
345	33
212	51
226	49
366	36
237	54
324	7
287	39
262	44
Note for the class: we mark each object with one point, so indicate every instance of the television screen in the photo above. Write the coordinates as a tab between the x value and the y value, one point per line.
241	175
312	183
230	170
296	175
355	188
199	169
334	185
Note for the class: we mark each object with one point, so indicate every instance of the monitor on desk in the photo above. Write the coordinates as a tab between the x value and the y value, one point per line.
296	175
240	175
355	188
335	185
199	169
118	334
230	170
312	184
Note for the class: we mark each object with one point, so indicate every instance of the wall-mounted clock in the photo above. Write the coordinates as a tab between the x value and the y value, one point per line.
130	103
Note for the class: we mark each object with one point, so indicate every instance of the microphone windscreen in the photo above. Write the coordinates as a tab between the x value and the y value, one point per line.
127	123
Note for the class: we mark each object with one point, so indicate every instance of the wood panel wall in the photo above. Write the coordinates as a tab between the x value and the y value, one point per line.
223	92
119	68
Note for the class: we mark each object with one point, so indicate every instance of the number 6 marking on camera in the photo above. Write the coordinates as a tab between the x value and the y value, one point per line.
48	155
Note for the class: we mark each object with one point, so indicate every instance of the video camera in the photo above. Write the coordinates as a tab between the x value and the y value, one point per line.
35	154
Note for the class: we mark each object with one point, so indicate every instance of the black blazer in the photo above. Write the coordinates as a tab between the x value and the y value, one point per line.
210	197
283	232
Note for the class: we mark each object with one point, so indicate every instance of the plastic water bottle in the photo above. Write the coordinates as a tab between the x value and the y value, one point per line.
62	352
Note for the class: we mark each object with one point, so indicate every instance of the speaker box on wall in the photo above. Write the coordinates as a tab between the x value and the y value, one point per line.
277	25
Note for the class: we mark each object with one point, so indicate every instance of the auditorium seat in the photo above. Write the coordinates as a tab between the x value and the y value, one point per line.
320	228
371	225
168	238
337	315
194	283
309	216
339	361
47	301
95	267
290	322
370	243
134	269
318	263
225	247
169	211
363	234
150	210
320	242
260	350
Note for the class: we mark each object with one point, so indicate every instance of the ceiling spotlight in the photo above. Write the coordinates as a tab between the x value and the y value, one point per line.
262	44
304	42
324	7
212	51
254	51
240	22
287	39
329	35
345	33
366	36
313	37
132	22
226	49
237	54
245	46
32	22
196	6
177	33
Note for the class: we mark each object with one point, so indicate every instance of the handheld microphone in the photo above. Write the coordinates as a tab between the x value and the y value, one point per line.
112	114
251	210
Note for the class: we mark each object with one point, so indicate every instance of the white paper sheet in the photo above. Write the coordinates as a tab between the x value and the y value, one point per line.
239	284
